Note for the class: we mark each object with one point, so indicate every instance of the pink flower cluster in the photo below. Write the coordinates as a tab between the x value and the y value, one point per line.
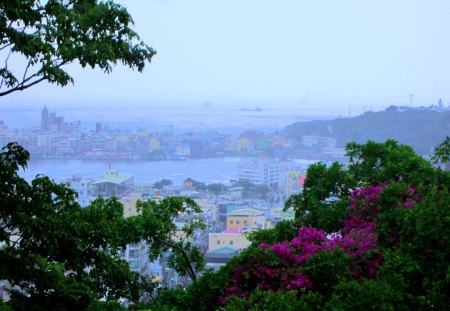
364	203
283	270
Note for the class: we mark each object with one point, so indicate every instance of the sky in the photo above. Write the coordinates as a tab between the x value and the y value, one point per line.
317	56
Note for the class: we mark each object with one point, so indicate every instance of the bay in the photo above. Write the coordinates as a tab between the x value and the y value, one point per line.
207	170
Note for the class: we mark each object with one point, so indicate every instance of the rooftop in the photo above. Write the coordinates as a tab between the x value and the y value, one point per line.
234	230
245	212
114	177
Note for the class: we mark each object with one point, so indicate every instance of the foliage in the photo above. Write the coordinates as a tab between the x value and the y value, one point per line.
374	163
46	233
47	35
321	203
156	225
326	192
197	185
442	152
251	190
366	295
162	183
265	300
216	188
59	254
283	231
201	295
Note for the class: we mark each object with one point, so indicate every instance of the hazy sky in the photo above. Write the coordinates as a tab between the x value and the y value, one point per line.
317	55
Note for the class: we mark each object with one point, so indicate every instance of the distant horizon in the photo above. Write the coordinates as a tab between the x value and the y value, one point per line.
309	107
320	58
179	117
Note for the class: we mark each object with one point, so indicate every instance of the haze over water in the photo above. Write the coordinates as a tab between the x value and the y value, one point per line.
201	117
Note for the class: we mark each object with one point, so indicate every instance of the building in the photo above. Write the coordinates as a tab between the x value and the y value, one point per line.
137	257
270	172
82	187
220	256
113	183
246	218
129	203
50	122
230	237
45	119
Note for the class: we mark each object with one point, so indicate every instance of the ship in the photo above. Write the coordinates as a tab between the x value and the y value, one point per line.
257	109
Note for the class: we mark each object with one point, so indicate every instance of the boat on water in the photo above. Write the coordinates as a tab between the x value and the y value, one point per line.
257	109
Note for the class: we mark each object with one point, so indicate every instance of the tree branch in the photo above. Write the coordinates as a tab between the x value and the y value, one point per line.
5	46
22	87
191	271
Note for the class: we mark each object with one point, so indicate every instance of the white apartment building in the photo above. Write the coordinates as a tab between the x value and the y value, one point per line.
270	172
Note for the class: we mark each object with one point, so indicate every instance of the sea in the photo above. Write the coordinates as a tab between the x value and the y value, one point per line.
210	170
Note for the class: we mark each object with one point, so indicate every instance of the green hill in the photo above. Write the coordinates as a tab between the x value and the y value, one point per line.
421	129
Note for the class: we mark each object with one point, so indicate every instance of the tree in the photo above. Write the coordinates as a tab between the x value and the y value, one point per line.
56	252
197	185
251	190
162	183
326	192
322	202
60	254
216	188
47	35
442	152
156	225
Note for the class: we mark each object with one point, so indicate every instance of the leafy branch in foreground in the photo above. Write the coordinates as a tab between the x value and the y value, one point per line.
47	35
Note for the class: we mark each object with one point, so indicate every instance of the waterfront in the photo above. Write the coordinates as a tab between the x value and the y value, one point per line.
206	170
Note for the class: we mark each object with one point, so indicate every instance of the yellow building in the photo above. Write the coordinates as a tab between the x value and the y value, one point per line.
245	218
230	237
129	204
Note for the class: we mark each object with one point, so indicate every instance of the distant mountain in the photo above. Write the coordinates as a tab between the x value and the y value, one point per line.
421	129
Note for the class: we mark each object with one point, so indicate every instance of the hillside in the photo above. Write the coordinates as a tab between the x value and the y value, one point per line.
421	129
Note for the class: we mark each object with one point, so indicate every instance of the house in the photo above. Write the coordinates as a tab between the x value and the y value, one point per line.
245	218
230	237
220	256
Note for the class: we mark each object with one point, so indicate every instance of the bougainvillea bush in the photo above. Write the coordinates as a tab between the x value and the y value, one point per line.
297	264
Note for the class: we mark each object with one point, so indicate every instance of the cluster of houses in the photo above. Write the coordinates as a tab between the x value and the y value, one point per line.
228	216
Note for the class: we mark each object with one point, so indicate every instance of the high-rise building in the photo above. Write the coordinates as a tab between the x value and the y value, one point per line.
270	172
50	122
45	119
